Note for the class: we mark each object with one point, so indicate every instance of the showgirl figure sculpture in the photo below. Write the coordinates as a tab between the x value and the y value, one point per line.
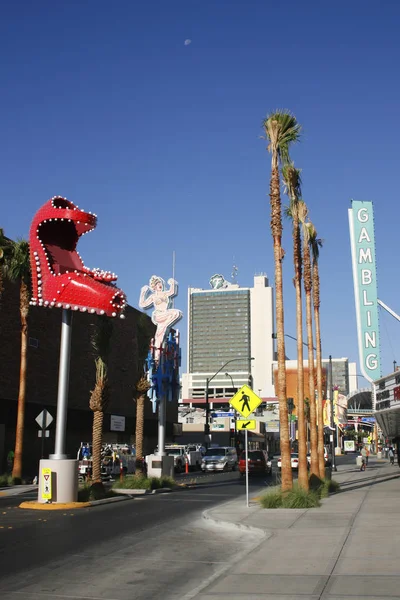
163	316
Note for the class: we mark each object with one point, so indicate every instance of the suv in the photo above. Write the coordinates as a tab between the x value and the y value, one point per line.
221	458
258	462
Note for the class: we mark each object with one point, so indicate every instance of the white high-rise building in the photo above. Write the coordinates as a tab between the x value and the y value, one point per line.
229	323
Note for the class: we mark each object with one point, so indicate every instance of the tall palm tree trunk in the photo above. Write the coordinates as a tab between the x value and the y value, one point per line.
321	458
301	419
139	432
276	228
19	435
311	386
97	437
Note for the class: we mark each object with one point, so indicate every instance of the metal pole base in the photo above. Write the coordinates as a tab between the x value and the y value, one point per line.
58	456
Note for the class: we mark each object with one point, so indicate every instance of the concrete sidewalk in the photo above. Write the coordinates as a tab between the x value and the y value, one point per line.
17	490
348	548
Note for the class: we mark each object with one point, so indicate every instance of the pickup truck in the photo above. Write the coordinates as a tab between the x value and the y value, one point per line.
181	454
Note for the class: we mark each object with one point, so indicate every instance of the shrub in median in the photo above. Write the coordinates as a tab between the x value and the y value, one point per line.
5	480
329	486
300	498
295	498
141	482
272	499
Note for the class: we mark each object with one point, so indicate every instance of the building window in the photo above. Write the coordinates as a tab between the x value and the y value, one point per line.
33	342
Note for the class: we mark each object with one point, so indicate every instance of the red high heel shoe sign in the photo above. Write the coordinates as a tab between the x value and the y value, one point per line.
59	277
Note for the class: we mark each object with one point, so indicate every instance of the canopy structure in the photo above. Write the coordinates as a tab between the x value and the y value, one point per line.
387	404
360	399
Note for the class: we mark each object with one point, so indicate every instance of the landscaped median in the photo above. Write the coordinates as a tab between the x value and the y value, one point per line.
140	484
298	497
96	494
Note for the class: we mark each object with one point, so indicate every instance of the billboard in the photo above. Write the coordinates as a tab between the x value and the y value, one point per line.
362	240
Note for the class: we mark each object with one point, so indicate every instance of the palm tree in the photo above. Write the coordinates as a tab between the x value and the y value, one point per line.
315	245
311	383
144	335
16	268
6	246
292	181
281	130
142	387
99	396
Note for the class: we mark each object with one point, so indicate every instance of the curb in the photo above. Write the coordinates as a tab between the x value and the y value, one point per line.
231	525
125	495
139	492
34	505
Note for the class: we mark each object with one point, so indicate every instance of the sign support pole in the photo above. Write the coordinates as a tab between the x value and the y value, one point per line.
43	431
247	468
63	384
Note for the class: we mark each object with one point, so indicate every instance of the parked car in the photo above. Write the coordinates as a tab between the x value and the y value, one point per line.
258	462
220	458
294	459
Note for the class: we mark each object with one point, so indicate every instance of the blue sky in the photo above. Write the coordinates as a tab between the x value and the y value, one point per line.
104	103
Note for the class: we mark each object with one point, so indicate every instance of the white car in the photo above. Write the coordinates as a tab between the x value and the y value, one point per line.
294	459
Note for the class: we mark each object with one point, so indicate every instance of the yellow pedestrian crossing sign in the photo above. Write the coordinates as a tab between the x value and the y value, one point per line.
242	424
245	401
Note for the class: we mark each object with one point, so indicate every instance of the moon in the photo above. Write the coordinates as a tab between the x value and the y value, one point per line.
187	42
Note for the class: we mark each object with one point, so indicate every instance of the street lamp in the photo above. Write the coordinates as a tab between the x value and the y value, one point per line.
234	389
332	427
233	385
208	380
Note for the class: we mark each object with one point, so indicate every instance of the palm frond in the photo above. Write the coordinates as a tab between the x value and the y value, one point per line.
288	212
315	242
16	265
281	129
302	212
291	181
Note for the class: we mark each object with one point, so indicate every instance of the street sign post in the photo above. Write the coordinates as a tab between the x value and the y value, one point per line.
46	484
245	402
44	420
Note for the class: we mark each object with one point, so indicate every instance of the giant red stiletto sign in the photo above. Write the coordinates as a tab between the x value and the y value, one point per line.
59	277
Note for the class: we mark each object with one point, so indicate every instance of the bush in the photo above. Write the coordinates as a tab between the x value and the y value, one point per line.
300	498
94	492
167	482
5	480
84	494
295	498
141	482
272	499
329	486
97	491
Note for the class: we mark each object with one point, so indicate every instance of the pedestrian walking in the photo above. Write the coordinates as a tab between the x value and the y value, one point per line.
363	458
391	455
367	457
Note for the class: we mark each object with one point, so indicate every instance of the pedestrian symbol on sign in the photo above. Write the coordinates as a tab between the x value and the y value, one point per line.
245	399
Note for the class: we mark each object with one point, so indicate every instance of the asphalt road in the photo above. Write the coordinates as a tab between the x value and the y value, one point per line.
112	551
36	537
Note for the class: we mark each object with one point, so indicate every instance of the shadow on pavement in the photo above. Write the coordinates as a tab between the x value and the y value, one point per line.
366	482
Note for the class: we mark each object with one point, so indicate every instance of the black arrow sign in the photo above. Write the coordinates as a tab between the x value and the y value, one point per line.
246	424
